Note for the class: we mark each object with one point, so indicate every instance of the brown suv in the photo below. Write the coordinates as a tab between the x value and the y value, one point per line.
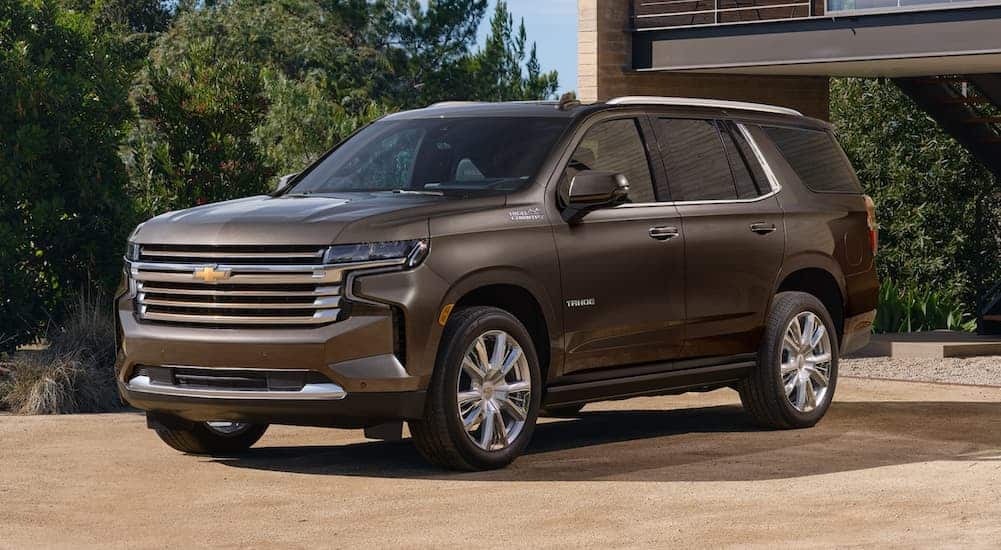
468	267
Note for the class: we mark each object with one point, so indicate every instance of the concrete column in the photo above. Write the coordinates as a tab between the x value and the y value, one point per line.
604	65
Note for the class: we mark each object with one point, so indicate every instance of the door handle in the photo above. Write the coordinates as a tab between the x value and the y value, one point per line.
663	233
762	228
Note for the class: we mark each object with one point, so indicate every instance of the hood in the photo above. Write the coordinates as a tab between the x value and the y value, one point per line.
314	219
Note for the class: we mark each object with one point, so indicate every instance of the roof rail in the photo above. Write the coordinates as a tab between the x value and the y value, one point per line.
453	104
698	102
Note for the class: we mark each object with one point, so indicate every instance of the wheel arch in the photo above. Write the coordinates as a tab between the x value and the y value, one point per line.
821	283
510	291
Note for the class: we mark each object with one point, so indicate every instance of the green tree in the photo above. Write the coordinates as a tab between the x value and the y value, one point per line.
431	49
499	69
303	121
138	22
937	207
194	143
63	105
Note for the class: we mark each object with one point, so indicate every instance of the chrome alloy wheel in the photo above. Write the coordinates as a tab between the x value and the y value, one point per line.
227	428
494	390
806	361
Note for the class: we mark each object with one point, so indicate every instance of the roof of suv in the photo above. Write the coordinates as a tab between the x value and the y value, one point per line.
574	109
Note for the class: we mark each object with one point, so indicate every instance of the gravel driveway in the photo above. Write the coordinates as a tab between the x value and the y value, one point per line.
894	464
985	371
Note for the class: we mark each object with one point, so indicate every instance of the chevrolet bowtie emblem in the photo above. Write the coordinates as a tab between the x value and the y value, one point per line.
211	274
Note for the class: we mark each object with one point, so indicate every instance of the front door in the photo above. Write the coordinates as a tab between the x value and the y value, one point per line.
734	233
622	268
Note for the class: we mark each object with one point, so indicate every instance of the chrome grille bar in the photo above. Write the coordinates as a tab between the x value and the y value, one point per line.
239	285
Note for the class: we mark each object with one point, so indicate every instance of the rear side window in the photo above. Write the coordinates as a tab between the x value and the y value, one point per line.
816	158
745	161
747	173
697	165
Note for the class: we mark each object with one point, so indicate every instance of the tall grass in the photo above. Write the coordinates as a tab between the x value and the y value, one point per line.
74	374
912	309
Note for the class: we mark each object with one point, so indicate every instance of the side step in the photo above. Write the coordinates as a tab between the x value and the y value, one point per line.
648	380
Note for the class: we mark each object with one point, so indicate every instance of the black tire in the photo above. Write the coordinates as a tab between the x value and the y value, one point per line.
200	439
440	437
563	411
762	392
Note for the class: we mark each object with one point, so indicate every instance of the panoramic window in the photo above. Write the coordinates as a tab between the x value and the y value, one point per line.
614	146
816	158
437	155
697	165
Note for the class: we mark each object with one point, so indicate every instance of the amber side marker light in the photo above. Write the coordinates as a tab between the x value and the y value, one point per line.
870	208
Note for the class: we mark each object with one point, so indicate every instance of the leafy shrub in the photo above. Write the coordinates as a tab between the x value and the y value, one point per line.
913	309
75	374
63	105
938	209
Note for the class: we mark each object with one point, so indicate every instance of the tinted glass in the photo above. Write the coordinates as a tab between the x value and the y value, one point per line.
697	165
743	164
461	154
816	158
614	146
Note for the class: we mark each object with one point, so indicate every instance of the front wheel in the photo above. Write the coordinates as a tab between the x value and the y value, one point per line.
484	397
797	372
212	438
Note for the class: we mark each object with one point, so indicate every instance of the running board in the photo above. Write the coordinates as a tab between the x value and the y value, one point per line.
669	379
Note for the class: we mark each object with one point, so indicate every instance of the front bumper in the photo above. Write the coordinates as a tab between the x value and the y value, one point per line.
379	358
330	408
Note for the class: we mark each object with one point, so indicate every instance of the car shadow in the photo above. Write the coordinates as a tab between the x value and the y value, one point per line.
702	444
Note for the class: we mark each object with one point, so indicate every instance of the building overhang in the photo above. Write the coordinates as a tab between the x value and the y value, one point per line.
898	44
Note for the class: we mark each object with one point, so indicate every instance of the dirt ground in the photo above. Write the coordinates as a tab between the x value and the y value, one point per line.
895	464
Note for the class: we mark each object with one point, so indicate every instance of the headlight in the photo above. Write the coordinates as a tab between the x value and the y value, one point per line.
132	252
414	251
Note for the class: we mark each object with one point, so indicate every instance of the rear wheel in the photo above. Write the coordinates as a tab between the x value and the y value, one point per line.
212	438
794	382
484	396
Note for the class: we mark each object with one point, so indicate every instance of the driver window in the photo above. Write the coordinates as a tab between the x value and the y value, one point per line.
613	146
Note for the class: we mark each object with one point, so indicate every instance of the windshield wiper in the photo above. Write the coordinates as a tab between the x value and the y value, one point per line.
417	192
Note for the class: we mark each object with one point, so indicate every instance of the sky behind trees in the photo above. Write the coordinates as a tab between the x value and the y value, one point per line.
552	24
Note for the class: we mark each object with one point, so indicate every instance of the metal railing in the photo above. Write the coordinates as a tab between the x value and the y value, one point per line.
862	7
654	14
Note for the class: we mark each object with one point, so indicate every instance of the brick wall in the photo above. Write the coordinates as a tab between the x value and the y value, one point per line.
604	52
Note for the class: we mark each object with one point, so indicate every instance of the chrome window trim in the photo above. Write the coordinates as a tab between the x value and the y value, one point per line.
773	181
309	392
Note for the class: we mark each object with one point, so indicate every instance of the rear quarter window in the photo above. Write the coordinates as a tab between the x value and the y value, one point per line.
817	159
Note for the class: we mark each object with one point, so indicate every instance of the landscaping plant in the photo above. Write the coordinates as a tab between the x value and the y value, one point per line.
74	374
912	309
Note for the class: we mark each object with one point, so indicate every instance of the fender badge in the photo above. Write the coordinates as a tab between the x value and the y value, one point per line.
526	214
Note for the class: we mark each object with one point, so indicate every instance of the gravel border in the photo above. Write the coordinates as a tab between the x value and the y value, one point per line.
980	371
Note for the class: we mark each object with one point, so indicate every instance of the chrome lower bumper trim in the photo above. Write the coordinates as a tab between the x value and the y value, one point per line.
309	392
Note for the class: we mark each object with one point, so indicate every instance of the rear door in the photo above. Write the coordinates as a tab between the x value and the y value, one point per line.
621	267
734	234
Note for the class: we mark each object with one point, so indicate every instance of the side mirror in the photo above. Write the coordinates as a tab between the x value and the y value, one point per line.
592	190
283	182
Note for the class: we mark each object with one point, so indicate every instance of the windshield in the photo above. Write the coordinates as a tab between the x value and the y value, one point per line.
437	155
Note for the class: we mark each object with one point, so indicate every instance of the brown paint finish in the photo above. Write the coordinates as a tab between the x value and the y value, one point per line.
631	292
730	273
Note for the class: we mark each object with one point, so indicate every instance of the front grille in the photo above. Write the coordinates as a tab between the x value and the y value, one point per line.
236	285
